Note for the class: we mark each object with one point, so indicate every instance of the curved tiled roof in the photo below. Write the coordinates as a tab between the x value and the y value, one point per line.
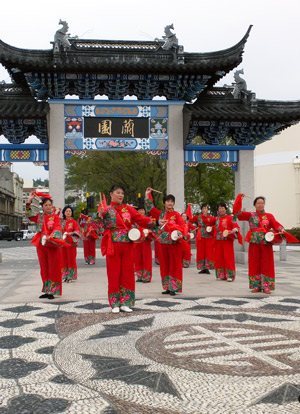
17	103
219	104
133	56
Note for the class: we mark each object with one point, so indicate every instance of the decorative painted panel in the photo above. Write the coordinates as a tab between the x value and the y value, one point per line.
21	155
105	127
210	156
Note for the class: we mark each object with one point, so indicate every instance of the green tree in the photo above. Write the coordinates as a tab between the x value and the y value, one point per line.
40	182
135	171
209	183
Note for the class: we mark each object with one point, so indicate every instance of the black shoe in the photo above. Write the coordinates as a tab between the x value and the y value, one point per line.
50	297
165	292
207	271
202	271
172	293
138	280
44	296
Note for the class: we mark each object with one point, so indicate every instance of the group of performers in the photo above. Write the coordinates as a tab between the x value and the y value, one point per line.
57	238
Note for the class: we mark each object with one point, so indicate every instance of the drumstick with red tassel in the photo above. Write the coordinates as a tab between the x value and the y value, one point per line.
102	202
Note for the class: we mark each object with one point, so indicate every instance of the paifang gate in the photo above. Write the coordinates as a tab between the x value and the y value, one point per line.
36	103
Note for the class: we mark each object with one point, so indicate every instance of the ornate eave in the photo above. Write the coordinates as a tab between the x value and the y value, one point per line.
118	68
21	115
248	121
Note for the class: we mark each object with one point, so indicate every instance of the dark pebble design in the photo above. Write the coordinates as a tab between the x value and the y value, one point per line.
35	404
18	368
21	309
50	329
163	303
14	323
285	394
62	379
274	306
120	369
91	306
242	317
231	302
14	341
55	314
48	350
123	329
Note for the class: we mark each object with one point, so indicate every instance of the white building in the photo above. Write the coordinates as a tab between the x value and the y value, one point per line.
277	176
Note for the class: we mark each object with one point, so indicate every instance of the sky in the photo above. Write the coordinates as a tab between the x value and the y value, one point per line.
271	60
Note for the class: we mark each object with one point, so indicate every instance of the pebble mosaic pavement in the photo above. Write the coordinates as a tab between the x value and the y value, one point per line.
176	355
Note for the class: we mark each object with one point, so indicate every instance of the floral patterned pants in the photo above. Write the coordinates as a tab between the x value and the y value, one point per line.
261	266
224	259
120	275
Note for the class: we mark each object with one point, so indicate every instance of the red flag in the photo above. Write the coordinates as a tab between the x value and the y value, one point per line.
189	212
44	195
290	238
237	207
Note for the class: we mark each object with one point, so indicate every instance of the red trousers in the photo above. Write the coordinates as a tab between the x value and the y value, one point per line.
170	258
156	251
205	253
261	266
69	265
186	256
224	259
50	264
142	253
89	250
120	275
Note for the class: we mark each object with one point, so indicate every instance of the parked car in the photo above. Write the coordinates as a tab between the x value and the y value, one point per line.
7	234
28	234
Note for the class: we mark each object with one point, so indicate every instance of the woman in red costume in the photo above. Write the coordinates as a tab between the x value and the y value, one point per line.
205	241
226	231
117	220
142	253
187	254
48	241
260	255
89	230
71	231
170	253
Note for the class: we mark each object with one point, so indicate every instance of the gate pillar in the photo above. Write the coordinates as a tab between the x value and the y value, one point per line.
56	123
244	183
175	163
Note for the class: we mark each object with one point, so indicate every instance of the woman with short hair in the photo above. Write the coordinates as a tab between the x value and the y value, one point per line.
117	220
48	241
170	251
71	231
261	268
205	240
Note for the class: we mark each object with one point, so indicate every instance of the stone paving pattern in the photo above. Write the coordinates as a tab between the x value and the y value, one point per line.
226	354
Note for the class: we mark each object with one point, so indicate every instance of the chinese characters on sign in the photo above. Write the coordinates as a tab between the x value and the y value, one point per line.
128	127
116	127
104	127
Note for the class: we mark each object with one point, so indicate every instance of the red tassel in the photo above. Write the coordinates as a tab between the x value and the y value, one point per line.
189	212
150	197
290	238
237	207
240	238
